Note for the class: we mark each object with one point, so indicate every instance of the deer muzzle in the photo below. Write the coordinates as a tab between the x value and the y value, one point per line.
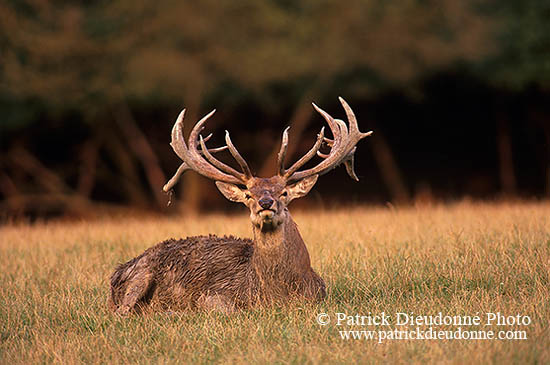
267	214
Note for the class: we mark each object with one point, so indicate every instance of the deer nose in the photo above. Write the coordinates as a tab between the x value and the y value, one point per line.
266	202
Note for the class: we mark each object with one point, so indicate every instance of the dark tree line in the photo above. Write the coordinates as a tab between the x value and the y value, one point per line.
456	91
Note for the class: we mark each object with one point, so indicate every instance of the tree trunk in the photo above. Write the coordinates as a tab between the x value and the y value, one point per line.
506	161
143	151
389	169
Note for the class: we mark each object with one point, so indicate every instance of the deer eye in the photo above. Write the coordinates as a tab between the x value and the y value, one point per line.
284	193
248	196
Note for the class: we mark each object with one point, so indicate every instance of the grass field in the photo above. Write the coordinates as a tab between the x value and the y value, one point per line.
460	259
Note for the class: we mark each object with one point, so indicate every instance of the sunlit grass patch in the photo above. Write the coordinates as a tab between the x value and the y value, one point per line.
457	259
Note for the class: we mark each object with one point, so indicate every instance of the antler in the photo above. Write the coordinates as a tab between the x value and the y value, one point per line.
194	159
342	150
342	147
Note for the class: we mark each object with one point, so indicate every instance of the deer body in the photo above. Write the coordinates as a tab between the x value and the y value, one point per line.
228	273
221	273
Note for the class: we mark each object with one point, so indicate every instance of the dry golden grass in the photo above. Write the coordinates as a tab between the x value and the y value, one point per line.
458	259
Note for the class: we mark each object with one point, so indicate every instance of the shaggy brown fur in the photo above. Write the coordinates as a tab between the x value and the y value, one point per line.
224	273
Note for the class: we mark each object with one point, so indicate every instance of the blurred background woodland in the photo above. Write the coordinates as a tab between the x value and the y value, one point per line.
456	91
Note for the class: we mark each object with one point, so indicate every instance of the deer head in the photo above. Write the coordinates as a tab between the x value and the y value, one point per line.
267	198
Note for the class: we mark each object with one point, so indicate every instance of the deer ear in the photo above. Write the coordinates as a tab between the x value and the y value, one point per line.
302	187
231	192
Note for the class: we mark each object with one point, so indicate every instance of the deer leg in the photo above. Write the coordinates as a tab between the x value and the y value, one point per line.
135	290
313	286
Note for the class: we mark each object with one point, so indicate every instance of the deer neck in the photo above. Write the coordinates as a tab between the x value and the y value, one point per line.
281	253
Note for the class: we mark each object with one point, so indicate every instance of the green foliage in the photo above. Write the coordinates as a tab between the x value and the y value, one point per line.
93	55
523	53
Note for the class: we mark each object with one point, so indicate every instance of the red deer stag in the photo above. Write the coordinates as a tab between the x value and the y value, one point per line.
228	273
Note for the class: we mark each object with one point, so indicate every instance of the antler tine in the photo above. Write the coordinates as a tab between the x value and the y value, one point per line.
349	165
353	127
342	147
170	184
192	157
328	141
334	128
343	129
240	160
220	165
308	156
178	143
282	152
211	150
214	150
194	135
